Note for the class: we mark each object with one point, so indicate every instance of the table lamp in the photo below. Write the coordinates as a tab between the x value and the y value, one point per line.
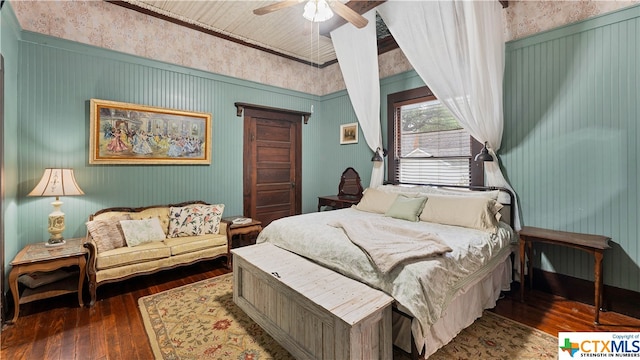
56	182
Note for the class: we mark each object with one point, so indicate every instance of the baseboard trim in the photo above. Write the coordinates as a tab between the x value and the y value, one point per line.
616	299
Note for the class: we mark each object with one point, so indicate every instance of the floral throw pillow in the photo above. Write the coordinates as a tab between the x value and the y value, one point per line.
194	220
212	217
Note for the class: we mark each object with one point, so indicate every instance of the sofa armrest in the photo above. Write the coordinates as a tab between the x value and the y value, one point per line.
223	228
91	246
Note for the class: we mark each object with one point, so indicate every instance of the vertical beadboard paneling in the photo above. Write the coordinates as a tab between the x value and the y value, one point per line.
57	80
322	134
570	139
9	47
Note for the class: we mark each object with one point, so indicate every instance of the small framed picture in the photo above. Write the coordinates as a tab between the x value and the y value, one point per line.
349	133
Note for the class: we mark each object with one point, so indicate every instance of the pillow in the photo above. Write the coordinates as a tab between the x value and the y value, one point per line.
194	220
39	278
402	189
472	212
491	194
137	232
160	212
107	233
212	216
376	201
406	208
425	190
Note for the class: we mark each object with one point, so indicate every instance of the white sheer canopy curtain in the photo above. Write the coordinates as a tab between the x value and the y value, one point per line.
457	48
357	52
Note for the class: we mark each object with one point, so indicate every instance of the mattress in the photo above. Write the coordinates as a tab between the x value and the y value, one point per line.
422	288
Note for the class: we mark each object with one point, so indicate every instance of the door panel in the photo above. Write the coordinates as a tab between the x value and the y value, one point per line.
272	197
273	153
269	174
272	131
272	165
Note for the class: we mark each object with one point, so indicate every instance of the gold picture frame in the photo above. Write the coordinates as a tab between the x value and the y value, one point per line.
123	133
349	133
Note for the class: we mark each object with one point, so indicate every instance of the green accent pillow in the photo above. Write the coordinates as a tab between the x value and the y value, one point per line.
137	232
407	208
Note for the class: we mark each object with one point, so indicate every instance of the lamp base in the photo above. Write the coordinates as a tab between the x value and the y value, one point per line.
57	242
56	225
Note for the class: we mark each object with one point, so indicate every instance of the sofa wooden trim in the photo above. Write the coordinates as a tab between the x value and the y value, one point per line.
91	269
140	209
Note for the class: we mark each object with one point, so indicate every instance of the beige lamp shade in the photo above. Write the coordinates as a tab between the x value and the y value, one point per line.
57	182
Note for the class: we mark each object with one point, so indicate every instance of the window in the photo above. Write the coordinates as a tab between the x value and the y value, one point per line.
427	144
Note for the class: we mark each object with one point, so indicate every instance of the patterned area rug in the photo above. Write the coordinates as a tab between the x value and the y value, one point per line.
495	337
200	321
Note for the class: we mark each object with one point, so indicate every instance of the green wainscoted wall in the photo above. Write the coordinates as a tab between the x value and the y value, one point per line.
50	128
570	146
9	44
569	93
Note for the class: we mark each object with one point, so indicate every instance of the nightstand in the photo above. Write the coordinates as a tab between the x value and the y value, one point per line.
239	235
349	192
337	202
41	258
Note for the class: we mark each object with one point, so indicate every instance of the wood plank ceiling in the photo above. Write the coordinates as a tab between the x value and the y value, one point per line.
284	32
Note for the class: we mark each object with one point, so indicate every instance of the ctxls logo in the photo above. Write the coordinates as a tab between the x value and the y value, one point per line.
607	345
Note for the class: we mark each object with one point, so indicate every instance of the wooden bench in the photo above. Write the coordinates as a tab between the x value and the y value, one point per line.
313	312
593	244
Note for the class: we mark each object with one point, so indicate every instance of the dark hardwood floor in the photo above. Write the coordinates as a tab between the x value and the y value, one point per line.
112	329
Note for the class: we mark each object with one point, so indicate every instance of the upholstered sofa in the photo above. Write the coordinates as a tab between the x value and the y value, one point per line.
127	242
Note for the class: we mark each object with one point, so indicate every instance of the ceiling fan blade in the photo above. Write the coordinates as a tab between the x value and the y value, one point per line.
348	14
276	6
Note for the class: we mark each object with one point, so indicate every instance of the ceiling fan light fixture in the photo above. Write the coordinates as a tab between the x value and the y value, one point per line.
317	11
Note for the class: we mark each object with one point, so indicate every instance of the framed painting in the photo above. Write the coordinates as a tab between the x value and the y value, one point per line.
122	133
349	133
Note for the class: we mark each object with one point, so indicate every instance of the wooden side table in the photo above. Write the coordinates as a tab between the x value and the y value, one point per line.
593	244
240	231
337	202
39	257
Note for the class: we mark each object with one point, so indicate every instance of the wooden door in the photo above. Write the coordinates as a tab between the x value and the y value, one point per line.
272	164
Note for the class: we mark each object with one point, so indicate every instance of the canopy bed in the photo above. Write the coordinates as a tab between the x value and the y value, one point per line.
436	293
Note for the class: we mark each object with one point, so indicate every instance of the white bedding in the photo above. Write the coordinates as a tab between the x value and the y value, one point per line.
388	243
421	287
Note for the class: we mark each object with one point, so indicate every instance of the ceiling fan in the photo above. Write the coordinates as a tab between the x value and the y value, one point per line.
318	10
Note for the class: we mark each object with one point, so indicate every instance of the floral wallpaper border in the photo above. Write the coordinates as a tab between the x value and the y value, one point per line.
526	17
109	26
